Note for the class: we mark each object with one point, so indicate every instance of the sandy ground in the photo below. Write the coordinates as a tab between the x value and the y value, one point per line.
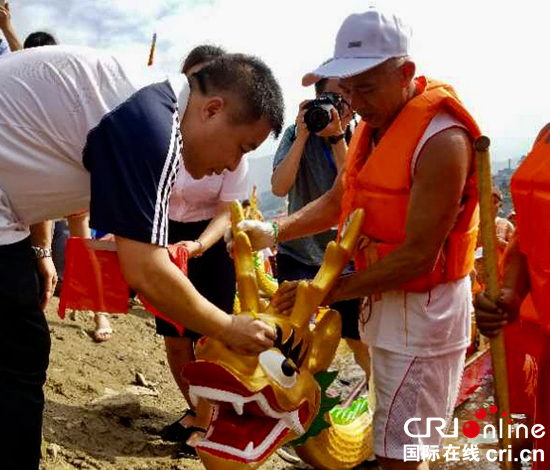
80	434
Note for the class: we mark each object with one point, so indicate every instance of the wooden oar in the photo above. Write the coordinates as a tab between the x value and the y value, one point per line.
490	258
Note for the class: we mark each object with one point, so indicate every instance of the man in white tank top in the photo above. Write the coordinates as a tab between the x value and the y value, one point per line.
418	339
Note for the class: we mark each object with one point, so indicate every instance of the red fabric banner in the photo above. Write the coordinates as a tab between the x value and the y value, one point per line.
93	280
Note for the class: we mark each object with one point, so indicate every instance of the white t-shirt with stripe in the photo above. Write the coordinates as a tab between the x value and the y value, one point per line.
81	129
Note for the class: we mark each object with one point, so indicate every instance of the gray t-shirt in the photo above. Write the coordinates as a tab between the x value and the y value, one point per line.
315	177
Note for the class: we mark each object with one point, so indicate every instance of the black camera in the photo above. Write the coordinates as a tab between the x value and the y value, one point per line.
318	111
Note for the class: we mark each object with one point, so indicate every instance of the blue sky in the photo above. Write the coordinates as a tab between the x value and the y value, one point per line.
495	53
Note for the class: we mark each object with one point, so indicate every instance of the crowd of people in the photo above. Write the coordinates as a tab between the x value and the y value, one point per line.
88	142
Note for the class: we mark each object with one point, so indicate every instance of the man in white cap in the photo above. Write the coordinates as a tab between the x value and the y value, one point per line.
410	168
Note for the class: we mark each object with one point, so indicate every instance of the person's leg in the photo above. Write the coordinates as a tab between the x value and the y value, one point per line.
411	387
349	311
24	356
360	354
103	330
179	352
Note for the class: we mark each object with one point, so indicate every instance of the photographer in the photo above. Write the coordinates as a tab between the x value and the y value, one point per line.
305	167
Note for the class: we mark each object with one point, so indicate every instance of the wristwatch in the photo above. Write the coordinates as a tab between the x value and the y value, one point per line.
41	252
334	139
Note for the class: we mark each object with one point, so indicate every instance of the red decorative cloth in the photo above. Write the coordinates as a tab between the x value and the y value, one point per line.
93	280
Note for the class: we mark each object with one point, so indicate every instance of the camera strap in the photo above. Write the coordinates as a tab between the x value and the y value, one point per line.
328	156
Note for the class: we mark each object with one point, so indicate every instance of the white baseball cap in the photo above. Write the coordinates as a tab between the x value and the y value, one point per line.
364	41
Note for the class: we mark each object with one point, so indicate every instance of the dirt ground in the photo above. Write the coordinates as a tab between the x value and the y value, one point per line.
80	433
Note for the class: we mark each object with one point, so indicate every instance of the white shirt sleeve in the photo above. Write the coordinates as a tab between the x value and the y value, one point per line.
235	183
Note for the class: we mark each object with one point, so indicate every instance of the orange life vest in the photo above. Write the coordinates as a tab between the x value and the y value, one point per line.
531	195
382	183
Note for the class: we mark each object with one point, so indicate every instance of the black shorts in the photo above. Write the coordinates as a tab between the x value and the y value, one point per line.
290	269
212	274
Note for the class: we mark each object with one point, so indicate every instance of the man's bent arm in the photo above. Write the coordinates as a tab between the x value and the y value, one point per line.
443	168
148	269
516	273
284	175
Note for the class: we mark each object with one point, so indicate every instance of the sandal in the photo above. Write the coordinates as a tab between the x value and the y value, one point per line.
177	432
188	451
102	333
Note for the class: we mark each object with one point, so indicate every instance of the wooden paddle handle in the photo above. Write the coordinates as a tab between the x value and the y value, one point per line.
490	258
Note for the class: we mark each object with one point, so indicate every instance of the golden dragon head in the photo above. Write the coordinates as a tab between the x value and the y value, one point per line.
262	402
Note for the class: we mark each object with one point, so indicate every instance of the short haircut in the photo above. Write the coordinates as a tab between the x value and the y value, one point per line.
320	86
248	79
201	54
39	38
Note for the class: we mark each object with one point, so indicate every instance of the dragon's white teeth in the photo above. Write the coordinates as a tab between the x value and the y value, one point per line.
238	406
249	448
292	420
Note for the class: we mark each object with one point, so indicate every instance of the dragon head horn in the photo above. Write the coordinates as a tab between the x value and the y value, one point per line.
310	295
244	263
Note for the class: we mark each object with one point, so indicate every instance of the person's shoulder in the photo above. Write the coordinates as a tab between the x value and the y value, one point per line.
446	151
544	131
454	137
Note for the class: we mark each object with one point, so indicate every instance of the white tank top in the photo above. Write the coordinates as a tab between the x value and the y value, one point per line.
422	324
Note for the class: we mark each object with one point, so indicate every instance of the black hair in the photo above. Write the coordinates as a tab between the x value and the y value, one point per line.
251	81
201	54
320	86
39	38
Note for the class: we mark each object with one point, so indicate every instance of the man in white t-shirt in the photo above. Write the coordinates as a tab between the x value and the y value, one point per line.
79	129
409	168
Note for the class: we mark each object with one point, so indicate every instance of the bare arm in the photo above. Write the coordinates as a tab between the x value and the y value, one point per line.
284	175
443	168
516	273
7	28
41	236
79	225
148	269
212	233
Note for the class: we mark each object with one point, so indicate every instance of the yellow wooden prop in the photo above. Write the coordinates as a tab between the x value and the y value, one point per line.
490	258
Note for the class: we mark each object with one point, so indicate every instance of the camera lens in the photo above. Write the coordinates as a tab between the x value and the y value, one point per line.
317	118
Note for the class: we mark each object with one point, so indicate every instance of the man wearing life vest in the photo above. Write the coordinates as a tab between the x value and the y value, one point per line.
527	271
410	168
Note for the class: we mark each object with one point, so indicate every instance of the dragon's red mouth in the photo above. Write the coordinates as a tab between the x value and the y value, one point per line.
245	426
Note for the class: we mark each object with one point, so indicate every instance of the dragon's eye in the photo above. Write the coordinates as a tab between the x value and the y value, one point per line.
278	367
